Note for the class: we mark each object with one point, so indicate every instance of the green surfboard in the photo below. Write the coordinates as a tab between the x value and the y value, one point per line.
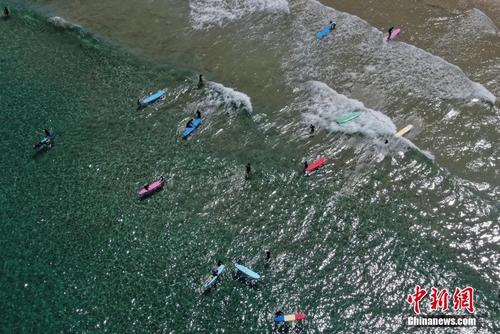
349	117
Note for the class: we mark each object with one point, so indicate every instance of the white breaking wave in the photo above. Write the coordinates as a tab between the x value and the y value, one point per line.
210	13
228	98
62	23
324	106
219	98
343	57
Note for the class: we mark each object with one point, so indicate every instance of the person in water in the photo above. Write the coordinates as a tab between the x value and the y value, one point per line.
268	255
6	12
276	315
198	114
47	133
390	32
248	170
312	128
200	81
305	166
215	271
333	25
189	123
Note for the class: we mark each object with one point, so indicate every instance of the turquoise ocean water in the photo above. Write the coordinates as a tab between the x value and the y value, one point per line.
81	254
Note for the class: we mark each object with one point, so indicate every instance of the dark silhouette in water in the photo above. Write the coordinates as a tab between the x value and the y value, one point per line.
248	170
200	81
390	32
312	128
6	12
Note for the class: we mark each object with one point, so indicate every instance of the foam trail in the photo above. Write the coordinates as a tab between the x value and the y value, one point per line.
211	13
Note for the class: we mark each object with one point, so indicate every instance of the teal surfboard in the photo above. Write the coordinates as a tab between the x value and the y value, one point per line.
349	117
247	271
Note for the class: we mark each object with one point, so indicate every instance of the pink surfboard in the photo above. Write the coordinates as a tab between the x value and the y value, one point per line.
151	188
315	165
394	33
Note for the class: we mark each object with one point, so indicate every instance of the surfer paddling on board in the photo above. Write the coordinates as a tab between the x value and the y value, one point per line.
277	315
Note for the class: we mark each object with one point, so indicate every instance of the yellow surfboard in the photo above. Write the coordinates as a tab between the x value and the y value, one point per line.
404	131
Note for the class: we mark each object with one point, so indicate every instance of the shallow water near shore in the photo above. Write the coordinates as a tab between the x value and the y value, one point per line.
80	252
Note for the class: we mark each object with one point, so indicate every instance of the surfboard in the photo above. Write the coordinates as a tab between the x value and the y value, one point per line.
189	131
394	33
324	32
247	271
404	131
315	165
349	117
289	317
45	142
145	101
212	279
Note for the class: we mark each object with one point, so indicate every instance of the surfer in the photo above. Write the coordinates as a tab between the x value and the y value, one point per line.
47	133
278	314
268	255
305	166
312	128
215	271
200	81
189	123
390	32
332	25
198	114
6	12
249	169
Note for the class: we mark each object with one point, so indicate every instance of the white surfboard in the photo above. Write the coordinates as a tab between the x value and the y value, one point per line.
404	131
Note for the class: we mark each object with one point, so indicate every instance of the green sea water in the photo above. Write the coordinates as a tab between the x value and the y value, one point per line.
81	254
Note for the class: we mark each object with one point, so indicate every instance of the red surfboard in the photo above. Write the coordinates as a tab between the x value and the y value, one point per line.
315	165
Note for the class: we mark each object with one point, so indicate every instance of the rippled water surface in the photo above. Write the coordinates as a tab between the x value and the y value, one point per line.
80	253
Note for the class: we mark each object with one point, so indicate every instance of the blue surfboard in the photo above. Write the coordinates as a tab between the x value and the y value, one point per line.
247	271
188	131
152	98
324	32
